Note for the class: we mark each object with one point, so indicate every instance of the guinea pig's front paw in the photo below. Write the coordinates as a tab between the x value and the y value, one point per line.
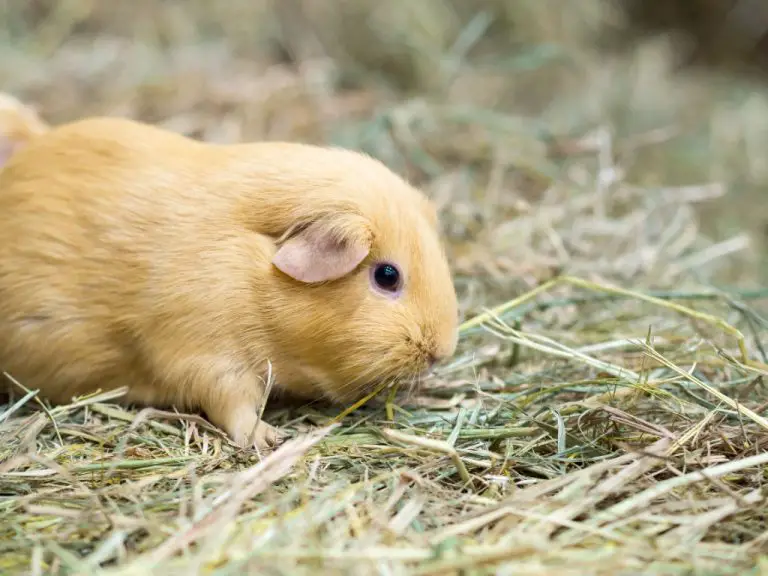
264	436
236	414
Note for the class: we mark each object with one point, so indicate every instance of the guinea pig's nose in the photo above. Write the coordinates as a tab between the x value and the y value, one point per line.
444	350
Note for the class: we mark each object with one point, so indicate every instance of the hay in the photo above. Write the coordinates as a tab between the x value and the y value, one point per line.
607	410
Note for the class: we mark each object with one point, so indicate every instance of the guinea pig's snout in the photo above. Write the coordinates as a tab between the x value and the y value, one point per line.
446	348
442	350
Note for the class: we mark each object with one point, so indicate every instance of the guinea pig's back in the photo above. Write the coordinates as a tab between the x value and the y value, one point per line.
89	214
76	204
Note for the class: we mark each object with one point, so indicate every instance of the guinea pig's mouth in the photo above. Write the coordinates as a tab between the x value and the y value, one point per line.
424	375
414	382
407	382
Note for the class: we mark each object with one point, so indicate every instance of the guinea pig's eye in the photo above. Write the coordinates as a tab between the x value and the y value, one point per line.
386	277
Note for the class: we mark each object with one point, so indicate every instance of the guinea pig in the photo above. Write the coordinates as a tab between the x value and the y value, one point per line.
187	271
19	124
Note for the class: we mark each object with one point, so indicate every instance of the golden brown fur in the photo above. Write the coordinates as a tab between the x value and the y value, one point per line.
133	256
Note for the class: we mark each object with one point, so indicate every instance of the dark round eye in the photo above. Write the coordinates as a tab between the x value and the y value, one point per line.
387	277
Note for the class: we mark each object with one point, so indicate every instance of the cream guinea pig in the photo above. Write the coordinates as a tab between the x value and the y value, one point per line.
135	256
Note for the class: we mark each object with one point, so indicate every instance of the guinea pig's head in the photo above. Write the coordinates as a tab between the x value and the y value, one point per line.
365	293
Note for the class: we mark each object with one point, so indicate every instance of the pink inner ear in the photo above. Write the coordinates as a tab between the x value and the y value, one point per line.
7	149
311	256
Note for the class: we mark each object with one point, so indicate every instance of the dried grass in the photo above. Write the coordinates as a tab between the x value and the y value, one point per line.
607	411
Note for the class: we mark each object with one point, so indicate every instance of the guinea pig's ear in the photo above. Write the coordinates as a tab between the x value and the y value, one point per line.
325	250
6	151
19	123
8	148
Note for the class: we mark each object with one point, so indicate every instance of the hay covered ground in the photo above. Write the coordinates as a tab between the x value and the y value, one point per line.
607	411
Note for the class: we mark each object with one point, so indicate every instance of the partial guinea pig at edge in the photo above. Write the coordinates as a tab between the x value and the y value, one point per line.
182	270
19	123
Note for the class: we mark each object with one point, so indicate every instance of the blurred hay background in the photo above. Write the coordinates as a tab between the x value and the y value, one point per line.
548	153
